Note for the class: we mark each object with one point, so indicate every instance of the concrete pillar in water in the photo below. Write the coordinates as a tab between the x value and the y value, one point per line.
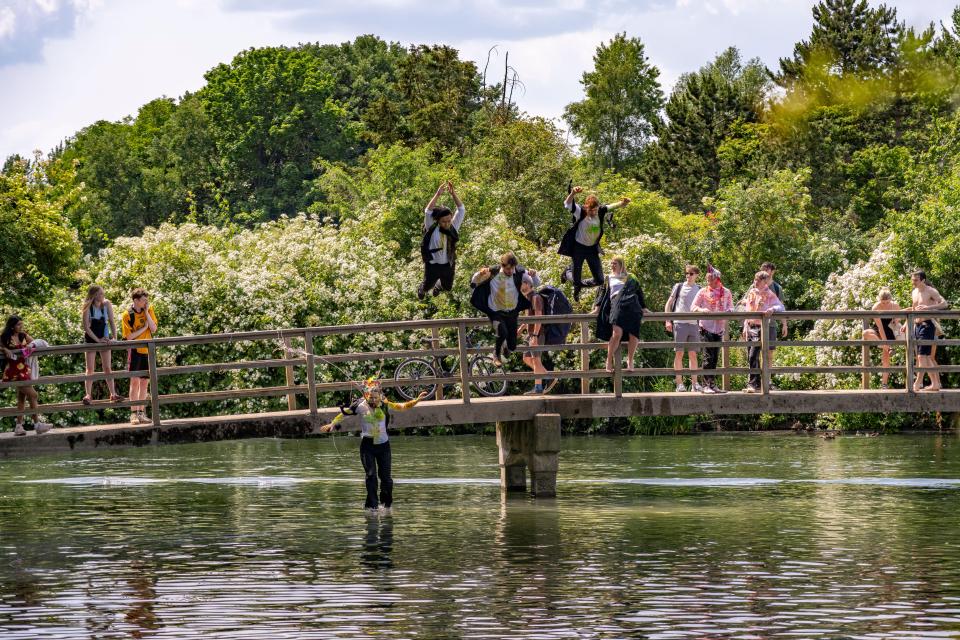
512	441
534	444
544	457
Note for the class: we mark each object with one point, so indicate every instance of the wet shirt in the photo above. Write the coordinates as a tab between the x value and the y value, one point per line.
440	240
373	422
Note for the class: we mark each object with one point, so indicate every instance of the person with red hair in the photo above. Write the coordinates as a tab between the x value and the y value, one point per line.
581	242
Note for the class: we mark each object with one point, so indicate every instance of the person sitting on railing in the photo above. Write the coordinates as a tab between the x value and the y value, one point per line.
925	298
887	329
17	346
760	298
373	410
99	326
714	298
619	307
582	240
545	301
496	293
438	248
139	323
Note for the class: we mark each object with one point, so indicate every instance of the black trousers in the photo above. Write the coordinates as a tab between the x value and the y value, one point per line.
591	255
506	322
711	354
375	459
753	356
437	273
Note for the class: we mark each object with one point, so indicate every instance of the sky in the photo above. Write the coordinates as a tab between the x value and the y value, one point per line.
64	64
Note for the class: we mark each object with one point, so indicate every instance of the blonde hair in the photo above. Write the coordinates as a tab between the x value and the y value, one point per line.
884	294
619	260
91	296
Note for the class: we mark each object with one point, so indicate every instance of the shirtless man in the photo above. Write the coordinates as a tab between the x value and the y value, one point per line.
925	298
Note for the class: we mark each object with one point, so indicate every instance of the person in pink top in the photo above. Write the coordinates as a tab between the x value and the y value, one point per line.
713	298
760	298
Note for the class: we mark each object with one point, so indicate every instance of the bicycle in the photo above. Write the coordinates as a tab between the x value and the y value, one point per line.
413	369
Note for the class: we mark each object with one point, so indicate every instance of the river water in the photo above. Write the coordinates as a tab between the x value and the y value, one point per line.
668	537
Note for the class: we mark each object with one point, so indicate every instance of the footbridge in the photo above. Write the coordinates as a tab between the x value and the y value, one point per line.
289	382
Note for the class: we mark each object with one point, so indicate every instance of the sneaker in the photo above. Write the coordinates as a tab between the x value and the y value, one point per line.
707	389
536	391
696	388
751	389
143	418
884	385
19	430
547	388
774	387
421	294
437	290
716	389
681	388
42	427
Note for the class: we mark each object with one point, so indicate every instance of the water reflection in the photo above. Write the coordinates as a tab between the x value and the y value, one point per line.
651	537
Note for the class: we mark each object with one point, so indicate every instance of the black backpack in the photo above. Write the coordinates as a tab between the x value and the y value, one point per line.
555	303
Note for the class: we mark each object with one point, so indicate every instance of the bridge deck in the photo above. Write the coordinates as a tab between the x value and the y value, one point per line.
486	410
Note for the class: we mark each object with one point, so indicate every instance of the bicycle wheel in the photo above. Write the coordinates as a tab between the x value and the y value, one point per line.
484	366
409	372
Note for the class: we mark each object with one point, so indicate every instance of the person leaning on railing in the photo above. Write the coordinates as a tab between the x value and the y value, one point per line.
887	329
17	346
760	298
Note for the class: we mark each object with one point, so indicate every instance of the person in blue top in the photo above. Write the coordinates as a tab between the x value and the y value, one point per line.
99	327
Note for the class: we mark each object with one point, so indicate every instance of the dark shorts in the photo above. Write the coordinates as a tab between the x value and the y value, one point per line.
139	362
925	330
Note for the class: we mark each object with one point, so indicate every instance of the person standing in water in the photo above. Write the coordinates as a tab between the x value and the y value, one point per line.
438	248
581	242
373	410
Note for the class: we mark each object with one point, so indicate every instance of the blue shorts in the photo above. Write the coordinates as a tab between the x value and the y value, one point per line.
925	330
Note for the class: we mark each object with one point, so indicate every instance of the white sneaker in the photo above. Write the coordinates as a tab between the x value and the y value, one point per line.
681	388
134	418
42	427
19	430
143	418
751	389
696	388
708	389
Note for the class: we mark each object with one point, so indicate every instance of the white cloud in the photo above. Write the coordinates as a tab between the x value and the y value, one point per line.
8	22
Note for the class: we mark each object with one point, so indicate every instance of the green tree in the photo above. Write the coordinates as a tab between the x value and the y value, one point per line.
857	39
703	106
623	99
272	113
40	248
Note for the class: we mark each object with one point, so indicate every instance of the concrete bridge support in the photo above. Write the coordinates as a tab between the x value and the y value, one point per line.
534	444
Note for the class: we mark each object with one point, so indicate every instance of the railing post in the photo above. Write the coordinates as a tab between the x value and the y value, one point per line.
865	358
154	383
464	363
617	372
288	373
764	355
311	375
584	357
435	344
725	358
911	353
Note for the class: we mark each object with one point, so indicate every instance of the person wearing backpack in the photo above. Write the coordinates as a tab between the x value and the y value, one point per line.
139	323
438	247
685	332
373	411
497	293
546	301
581	242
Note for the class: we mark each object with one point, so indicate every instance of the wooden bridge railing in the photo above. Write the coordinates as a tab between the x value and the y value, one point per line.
309	359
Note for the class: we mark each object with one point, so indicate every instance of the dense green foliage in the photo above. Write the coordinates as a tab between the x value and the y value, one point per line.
289	190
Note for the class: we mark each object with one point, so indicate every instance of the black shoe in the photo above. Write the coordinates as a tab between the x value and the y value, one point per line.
576	292
420	292
437	290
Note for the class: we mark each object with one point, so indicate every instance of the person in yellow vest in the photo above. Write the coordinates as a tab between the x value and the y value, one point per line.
139	323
